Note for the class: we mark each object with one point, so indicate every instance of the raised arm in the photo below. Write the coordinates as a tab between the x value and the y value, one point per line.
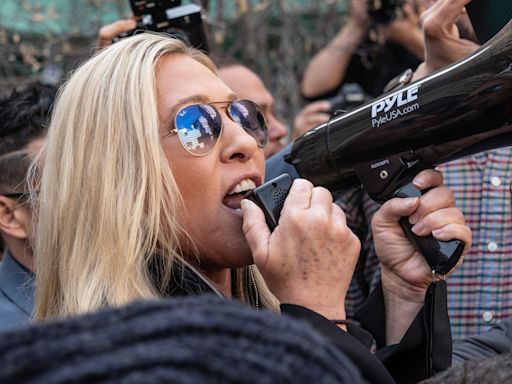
443	42
328	67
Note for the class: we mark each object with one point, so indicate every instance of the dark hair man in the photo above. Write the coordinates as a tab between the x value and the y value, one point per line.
23	117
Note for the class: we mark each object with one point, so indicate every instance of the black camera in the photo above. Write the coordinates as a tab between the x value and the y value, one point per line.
384	11
350	96
169	16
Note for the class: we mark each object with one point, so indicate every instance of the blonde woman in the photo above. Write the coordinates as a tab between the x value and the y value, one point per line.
141	191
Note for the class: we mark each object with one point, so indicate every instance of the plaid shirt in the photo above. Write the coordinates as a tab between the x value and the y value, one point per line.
480	291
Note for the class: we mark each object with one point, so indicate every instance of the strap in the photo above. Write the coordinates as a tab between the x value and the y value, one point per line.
437	327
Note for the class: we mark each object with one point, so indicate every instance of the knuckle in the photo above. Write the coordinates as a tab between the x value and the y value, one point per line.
428	221
448	195
318	219
302	185
431	25
342	231
458	216
338	212
440	176
294	217
324	193
469	235
451	200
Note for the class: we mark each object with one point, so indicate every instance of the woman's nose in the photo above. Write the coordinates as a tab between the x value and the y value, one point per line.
236	142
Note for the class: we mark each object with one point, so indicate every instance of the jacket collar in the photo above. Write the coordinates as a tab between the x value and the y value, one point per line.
17	283
186	280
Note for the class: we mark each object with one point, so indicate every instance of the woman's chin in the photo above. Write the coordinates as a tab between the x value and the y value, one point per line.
231	254
240	256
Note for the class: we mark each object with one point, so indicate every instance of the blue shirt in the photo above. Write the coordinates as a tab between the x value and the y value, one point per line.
16	293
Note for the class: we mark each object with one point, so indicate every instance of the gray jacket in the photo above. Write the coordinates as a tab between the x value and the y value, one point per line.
16	293
496	341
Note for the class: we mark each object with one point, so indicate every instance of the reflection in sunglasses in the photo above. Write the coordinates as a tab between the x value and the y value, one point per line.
194	137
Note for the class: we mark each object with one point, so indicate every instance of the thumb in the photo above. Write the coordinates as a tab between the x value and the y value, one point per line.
394	209
409	12
108	32
256	232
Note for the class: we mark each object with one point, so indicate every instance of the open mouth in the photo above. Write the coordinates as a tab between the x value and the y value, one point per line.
235	196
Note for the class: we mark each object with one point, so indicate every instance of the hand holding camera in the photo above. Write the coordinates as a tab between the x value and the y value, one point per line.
108	32
167	16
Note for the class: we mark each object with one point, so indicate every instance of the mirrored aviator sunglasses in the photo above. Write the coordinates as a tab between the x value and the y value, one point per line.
199	126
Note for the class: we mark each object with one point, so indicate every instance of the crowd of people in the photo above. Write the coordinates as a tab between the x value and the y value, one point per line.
131	255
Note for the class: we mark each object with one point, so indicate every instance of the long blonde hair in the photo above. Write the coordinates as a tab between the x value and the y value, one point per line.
108	205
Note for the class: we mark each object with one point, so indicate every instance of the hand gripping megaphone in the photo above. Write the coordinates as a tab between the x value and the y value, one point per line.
463	109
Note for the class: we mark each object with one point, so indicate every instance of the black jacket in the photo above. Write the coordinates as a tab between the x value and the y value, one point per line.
403	363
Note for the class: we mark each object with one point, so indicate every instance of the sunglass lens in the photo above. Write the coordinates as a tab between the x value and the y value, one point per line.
199	127
248	115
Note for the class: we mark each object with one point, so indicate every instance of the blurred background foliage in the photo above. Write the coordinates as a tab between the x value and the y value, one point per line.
45	39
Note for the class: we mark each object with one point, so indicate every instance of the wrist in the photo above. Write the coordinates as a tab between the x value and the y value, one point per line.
334	311
399	315
402	301
401	292
415	44
358	25
349	38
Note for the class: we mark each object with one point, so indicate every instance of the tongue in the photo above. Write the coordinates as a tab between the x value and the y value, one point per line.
233	201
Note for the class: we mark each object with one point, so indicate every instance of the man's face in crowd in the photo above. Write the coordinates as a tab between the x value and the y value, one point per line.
247	85
16	215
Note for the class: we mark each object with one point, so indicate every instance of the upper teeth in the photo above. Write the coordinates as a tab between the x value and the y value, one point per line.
244	185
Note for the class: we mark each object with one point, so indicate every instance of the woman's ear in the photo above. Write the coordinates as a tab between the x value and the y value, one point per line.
14	218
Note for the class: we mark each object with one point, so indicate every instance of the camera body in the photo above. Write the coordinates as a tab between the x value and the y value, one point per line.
350	96
146	7
383	11
169	16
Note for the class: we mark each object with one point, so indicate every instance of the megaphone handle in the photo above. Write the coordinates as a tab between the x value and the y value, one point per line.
441	256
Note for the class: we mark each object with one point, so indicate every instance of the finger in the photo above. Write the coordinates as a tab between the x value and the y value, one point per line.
433	200
317	106
438	219
338	215
428	178
433	5
409	12
256	232
317	118
108	32
454	232
299	196
392	210
321	200
442	17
